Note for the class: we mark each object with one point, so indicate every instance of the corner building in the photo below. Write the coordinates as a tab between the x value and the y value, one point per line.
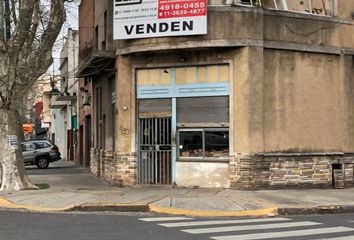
264	100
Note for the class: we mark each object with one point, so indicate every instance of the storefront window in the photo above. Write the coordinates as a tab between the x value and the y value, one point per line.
208	144
191	144
216	144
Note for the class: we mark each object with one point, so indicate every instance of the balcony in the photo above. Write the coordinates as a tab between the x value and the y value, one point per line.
97	62
242	25
316	7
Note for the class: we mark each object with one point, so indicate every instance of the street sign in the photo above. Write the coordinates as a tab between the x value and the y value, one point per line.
13	142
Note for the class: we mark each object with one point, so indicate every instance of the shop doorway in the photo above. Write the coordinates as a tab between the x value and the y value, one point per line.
87	148
155	151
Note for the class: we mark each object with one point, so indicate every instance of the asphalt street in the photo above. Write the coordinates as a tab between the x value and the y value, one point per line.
15	225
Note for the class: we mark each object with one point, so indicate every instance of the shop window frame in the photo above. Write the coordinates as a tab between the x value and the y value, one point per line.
203	131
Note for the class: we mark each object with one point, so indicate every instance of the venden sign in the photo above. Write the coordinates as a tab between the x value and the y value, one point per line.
158	18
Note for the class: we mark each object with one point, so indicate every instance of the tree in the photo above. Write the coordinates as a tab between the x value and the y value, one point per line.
28	31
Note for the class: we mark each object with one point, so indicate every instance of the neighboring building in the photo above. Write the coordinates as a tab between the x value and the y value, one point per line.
32	110
39	100
48	85
97	70
65	108
37	113
264	100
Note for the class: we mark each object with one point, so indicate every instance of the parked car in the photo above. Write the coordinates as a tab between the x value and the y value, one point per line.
40	153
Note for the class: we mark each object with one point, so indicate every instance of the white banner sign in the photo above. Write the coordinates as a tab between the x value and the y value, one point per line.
13	142
158	18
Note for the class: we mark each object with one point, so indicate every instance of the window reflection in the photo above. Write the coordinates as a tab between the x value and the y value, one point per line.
204	143
216	144
191	144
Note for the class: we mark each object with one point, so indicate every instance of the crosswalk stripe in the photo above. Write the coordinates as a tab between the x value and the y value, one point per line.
219	222
161	219
272	235
251	227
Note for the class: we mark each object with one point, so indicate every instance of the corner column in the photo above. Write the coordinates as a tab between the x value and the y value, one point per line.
248	116
126	157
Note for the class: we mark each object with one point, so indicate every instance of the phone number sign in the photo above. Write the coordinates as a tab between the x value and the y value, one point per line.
159	18
189	8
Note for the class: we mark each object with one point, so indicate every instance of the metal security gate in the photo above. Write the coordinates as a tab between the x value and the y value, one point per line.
155	159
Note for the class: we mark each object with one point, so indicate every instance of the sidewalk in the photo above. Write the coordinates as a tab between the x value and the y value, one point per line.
72	188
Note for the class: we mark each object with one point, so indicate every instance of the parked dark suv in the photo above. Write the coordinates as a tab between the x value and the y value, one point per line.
40	153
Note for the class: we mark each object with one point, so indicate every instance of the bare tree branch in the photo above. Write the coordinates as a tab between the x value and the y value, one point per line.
35	26
24	24
13	12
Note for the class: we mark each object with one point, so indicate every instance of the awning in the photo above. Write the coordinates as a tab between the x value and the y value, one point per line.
41	131
66	98
27	128
58	104
61	101
97	62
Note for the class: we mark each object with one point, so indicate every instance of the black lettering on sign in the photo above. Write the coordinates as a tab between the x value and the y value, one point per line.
175	26
140	29
151	28
187	25
163	27
159	27
129	30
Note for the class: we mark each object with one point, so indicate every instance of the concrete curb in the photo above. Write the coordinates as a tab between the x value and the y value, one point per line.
112	207
209	213
275	211
334	209
6	204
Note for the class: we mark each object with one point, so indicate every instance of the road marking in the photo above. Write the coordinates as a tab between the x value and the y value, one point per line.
219	222
251	227
297	233
161	219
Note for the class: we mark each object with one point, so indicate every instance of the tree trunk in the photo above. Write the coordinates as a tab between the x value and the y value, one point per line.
13	175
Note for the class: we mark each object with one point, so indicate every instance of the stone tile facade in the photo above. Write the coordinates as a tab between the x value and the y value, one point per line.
287	170
246	171
114	169
126	170
94	163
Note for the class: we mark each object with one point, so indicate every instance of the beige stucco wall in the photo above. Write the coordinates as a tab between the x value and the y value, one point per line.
281	101
202	174
287	101
344	9
291	83
251	26
302	102
247	87
125	107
